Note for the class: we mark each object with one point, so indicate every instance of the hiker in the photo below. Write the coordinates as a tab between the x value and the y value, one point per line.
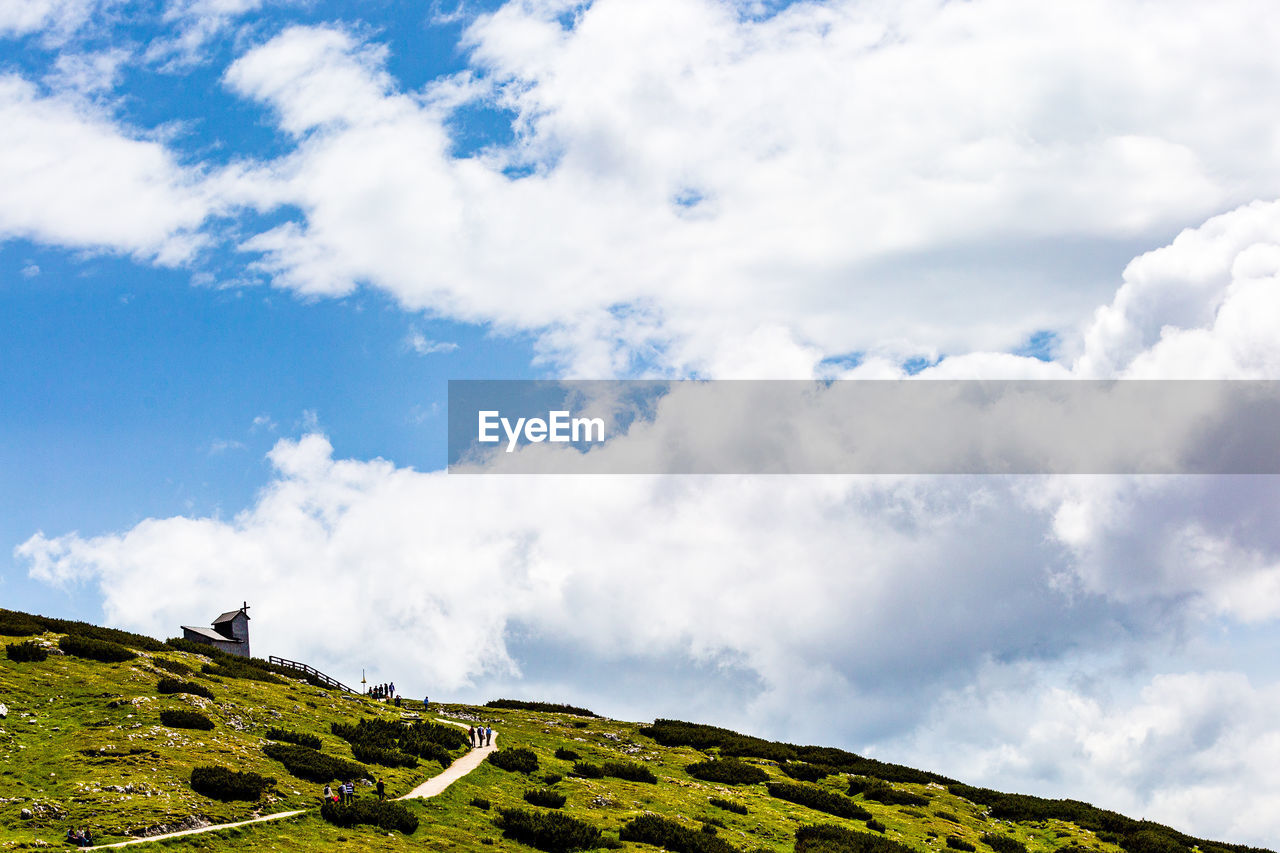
392	688
488	736
471	734
397	701
328	794
382	789
351	791
426	702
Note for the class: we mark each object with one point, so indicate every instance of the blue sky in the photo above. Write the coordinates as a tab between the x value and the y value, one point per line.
244	244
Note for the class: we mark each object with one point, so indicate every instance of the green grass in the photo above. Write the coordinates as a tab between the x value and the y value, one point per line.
78	727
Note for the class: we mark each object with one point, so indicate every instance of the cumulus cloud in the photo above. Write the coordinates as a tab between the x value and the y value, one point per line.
1188	749
771	191
73	177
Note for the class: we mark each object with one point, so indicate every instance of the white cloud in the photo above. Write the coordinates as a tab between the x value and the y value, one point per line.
74	178
423	345
1194	750
59	17
835	178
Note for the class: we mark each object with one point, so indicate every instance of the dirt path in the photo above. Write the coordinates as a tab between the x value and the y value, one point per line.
210	828
457	769
429	788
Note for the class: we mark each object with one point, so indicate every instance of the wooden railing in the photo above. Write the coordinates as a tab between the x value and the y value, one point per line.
311	671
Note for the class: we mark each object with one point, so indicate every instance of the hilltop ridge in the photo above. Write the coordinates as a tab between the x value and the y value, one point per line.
106	730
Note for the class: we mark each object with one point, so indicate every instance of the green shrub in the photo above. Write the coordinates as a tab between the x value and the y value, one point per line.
384	814
663	832
18	625
829	838
26	652
14	623
818	798
858	784
545	797
99	650
587	771
628	771
383	756
173	685
480	803
395	744
551	707
311	765
730	743
185	719
891	796
516	760
728	805
553	832
875	826
176	667
566	754
300	738
955	842
552	778
234	667
1003	843
222	783
806	772
946	815
727	771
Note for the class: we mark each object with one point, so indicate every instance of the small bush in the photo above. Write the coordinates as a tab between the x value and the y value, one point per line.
806	772
1003	843
299	738
581	724
222	783
566	754
553	832
875	826
552	778
234	667
727	771
545	797
955	842
663	832
587	771
516	760
176	667
829	838
28	652
173	685
383	756
99	650
312	765
384	814
552	707
480	803
728	805
184	719
628	771
892	796
819	799
946	815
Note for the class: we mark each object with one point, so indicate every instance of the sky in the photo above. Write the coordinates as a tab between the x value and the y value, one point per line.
244	245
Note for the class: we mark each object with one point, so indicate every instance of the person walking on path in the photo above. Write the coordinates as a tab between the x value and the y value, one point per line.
488	740
382	789
471	735
328	794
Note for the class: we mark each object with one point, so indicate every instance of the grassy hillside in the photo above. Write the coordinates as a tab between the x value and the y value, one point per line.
83	745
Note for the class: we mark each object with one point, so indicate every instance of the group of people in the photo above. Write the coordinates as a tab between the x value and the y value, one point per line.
80	837
383	691
480	735
346	793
